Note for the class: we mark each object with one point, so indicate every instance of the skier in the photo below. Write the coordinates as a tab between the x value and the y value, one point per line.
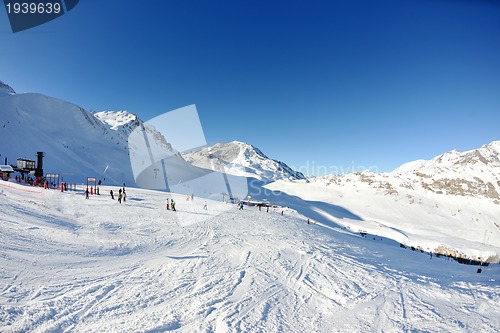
172	202
241	205
124	195
87	193
120	195
167	202
111	193
308	221
205	206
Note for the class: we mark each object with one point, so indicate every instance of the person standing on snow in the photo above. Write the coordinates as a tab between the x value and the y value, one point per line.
111	193
172	202
124	195
241	205
87	193
205	206
167	204
120	195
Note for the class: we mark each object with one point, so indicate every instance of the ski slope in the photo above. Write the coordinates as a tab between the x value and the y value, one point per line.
76	265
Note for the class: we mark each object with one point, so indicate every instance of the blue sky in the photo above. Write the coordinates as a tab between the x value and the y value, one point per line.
322	85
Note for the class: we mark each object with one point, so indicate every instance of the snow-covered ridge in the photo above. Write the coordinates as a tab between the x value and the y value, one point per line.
116	119
242	159
474	173
77	143
487	155
80	144
124	123
471	173
5	88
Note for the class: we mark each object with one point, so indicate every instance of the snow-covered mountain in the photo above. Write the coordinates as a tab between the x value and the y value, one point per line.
6	89
80	144
420	204
71	264
77	143
470	173
447	205
242	159
474	173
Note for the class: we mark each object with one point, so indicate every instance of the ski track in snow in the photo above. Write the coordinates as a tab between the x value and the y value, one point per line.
76	265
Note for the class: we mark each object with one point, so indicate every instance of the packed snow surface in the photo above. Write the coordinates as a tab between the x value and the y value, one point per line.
76	265
466	226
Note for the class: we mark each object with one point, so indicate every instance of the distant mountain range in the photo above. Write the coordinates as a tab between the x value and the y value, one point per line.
474	173
470	173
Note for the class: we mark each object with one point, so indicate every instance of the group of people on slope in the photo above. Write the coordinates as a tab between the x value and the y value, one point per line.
122	195
241	204
170	204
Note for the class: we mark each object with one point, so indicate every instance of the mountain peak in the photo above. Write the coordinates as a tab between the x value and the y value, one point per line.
242	159
116	119
5	88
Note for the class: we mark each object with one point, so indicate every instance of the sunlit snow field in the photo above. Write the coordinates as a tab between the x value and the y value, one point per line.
75	265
